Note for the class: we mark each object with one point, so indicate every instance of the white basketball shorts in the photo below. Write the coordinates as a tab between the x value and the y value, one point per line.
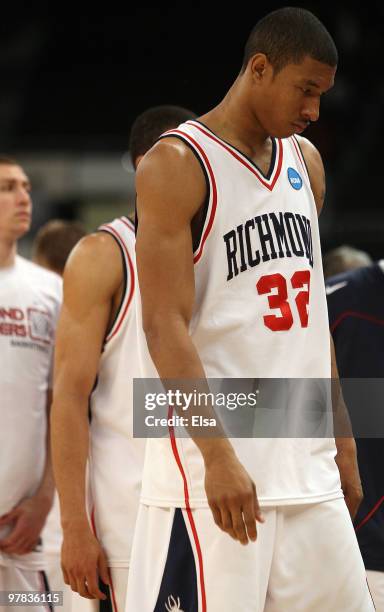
306	559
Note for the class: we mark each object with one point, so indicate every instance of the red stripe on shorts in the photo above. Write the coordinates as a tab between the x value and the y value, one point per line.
189	513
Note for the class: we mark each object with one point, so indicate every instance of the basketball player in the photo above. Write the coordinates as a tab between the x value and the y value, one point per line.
29	304
96	359
231	284
53	243
356	319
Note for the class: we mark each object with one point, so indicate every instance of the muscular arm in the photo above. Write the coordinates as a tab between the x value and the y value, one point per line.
346	457
92	277
166	201
170	190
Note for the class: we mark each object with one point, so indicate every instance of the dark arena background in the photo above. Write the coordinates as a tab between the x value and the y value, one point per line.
71	85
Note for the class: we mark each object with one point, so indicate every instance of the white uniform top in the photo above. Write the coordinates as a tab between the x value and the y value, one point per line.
30	299
116	458
258	255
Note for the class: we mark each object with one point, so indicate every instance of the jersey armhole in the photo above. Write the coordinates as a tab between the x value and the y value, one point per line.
210	200
119	310
204	208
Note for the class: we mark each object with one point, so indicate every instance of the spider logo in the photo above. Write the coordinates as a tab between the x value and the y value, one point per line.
173	605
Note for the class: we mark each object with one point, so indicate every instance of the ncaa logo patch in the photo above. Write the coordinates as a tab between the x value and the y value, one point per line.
295	179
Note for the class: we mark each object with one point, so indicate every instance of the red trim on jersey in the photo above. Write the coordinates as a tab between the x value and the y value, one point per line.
128	223
356	315
189	513
213	187
300	155
245	163
117	325
370	514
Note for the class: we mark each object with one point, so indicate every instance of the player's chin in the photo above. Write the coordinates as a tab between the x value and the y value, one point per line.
299	128
285	131
291	130
22	227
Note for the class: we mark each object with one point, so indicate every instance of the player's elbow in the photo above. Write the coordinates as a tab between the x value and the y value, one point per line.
70	395
162	331
154	330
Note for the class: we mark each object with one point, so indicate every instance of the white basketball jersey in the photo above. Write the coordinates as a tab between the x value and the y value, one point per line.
260	312
116	458
30	299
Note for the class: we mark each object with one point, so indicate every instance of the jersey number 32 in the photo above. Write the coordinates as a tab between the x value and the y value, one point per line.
279	299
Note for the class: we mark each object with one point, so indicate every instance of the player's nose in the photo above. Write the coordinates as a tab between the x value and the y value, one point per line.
23	197
311	111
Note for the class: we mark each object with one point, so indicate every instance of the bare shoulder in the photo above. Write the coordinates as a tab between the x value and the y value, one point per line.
315	170
94	265
170	174
167	154
311	154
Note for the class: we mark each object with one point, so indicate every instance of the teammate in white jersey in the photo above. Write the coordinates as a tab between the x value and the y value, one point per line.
29	303
229	268
96	359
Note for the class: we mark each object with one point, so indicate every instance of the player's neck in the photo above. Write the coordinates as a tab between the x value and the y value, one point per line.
237	123
8	253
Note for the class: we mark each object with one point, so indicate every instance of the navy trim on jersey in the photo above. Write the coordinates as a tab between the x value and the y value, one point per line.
136	216
125	272
90	396
273	156
205	206
179	583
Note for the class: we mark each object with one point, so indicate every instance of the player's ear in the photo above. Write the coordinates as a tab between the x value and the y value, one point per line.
258	65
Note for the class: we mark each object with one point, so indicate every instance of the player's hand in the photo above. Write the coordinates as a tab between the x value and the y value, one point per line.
232	497
346	460
83	562
27	520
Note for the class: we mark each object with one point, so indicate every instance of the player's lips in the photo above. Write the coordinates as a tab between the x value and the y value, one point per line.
23	215
300	126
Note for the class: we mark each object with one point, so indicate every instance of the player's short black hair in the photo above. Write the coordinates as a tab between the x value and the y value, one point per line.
289	34
148	126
